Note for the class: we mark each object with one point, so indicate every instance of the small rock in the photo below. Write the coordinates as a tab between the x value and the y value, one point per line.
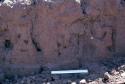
99	79
121	71
43	83
106	77
48	83
73	83
120	82
123	74
122	67
83	81
94	82
89	80
114	72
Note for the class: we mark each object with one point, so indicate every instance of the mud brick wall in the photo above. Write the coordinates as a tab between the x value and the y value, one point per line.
61	35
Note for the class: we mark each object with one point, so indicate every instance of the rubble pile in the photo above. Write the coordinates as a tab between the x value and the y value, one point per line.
116	76
113	77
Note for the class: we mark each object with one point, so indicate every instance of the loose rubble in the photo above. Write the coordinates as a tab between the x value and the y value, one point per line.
11	3
113	77
83	81
116	77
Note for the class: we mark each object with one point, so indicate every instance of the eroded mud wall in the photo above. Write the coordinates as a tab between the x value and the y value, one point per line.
61	35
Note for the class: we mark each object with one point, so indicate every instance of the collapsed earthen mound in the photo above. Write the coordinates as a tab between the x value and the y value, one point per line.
63	35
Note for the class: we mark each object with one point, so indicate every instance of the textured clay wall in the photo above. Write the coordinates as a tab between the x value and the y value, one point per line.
61	35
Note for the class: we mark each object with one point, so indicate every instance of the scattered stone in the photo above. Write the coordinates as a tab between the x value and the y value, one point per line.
123	74
94	82
114	72
83	81
106	77
73	83
116	77
122	67
121	71
48	83
43	83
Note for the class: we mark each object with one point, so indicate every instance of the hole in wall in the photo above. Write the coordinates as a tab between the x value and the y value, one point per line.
34	2
84	5
26	41
59	46
59	53
19	36
38	49
8	44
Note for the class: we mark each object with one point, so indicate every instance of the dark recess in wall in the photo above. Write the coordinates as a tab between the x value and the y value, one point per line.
8	44
84	6
36	45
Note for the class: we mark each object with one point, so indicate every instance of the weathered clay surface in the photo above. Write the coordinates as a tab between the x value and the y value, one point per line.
61	35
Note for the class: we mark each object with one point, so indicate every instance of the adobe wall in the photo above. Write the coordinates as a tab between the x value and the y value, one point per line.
61	35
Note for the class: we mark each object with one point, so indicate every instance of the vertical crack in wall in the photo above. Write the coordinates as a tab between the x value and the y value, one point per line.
113	40
34	42
59	48
78	58
83	6
113	36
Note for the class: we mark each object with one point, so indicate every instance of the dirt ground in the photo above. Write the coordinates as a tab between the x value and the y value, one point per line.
110	71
